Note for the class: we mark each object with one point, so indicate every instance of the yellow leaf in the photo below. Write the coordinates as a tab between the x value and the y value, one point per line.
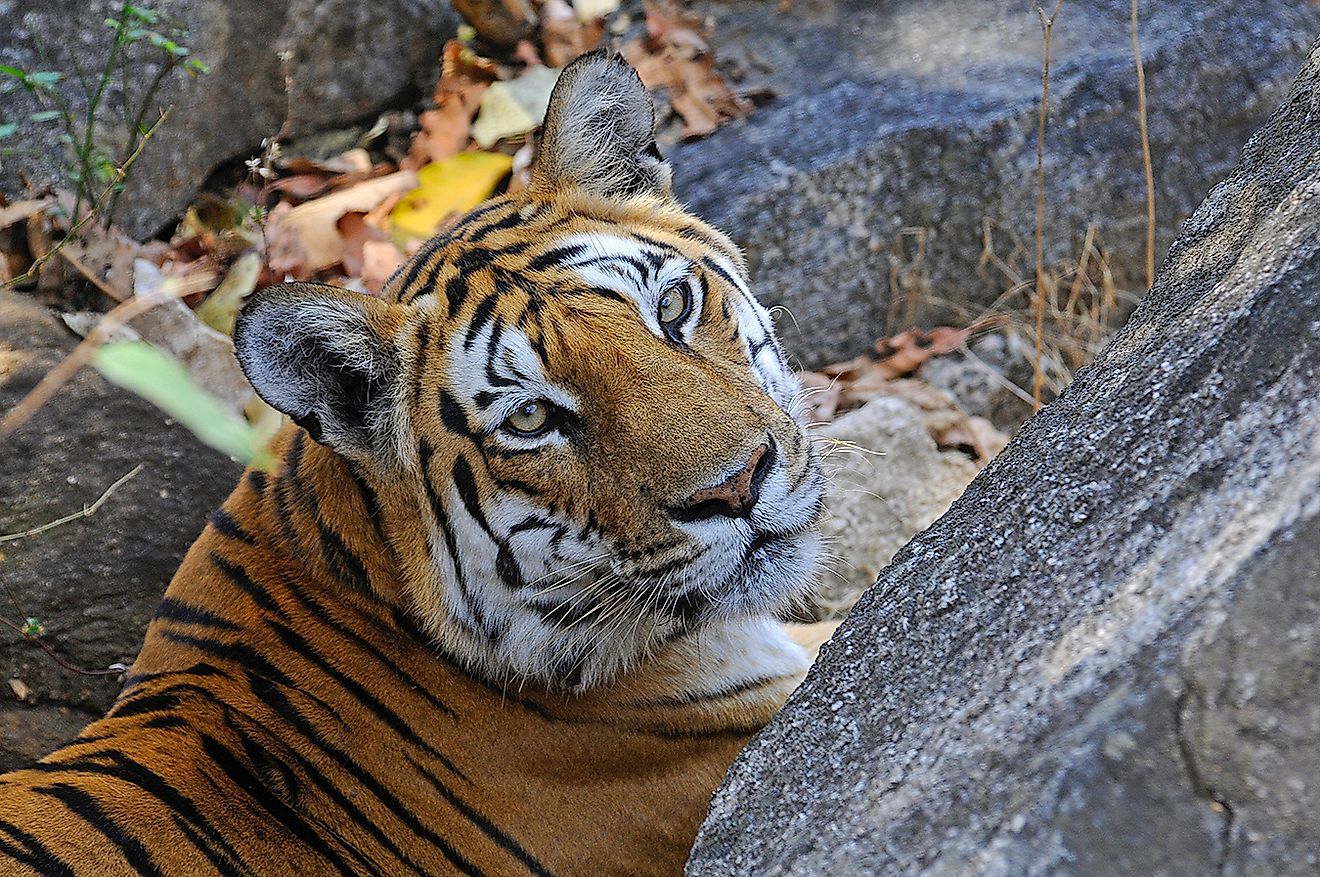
445	188
221	307
514	107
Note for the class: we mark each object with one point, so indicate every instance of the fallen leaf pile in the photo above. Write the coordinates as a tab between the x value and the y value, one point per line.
889	371
352	218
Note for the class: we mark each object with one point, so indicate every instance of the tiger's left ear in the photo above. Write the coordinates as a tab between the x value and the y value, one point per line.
599	133
325	357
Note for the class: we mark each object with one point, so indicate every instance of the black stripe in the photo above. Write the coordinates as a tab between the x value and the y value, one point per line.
86	807
556	257
171	609
453	416
34	854
480	317
488	828
238	653
225	524
239	577
262	796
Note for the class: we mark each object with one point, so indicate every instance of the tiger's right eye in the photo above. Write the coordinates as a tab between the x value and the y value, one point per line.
531	419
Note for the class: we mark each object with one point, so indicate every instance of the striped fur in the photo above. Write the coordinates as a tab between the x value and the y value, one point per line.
427	643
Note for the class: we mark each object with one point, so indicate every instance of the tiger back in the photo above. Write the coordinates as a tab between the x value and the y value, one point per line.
507	603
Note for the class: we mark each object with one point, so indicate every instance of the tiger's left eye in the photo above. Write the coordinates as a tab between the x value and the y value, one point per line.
530	419
675	303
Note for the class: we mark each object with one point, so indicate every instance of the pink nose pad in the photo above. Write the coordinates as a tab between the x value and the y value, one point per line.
735	496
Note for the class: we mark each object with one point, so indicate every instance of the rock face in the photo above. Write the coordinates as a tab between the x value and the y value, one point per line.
922	114
95	581
1104	659
889	481
346	60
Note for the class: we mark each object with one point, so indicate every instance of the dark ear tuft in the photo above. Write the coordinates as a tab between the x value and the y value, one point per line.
324	356
599	132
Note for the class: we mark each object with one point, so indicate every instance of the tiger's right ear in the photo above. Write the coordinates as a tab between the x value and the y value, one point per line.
599	133
325	357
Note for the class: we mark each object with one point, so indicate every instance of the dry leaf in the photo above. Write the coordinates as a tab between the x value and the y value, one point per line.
464	77
564	35
305	239
676	56
380	259
172	327
514	107
356	232
220	308
502	22
21	210
445	188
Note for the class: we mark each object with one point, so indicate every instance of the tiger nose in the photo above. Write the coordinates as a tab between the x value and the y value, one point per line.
732	498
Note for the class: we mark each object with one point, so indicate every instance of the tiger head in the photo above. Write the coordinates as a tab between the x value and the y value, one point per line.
583	433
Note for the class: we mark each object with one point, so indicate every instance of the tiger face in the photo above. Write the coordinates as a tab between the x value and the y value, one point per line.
581	427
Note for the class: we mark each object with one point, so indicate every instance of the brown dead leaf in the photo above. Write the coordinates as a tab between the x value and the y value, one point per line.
304	239
564	35
21	210
380	259
464	77
676	56
355	231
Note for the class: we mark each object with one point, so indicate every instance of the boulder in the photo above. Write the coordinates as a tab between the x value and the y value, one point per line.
922	114
888	482
92	582
1103	660
346	61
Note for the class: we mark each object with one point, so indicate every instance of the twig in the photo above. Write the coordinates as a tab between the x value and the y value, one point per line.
79	222
1038	306
113	670
1145	152
77	358
86	511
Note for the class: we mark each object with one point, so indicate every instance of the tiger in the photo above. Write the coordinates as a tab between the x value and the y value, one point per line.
507	602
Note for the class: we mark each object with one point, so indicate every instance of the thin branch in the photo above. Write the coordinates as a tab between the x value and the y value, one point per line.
1145	152
86	511
60	375
1038	305
87	217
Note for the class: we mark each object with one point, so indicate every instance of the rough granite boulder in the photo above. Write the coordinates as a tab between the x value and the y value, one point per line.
1105	658
94	581
922	114
346	61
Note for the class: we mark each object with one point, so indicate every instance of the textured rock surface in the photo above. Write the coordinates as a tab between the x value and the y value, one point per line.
889	482
922	113
93	582
347	59
1103	659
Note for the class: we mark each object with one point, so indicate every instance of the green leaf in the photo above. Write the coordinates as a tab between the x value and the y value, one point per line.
20	75
8	129
45	78
141	13
45	115
195	66
162	381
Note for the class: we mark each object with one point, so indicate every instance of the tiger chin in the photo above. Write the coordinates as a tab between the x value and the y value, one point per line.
508	601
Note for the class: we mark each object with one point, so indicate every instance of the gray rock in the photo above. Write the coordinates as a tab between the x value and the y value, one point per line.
1103	660
922	114
347	60
95	581
888	482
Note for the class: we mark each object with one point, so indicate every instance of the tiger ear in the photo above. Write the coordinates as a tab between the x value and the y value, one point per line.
325	357
599	133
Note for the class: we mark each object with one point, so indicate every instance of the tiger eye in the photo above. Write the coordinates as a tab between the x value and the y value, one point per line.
530	418
673	304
